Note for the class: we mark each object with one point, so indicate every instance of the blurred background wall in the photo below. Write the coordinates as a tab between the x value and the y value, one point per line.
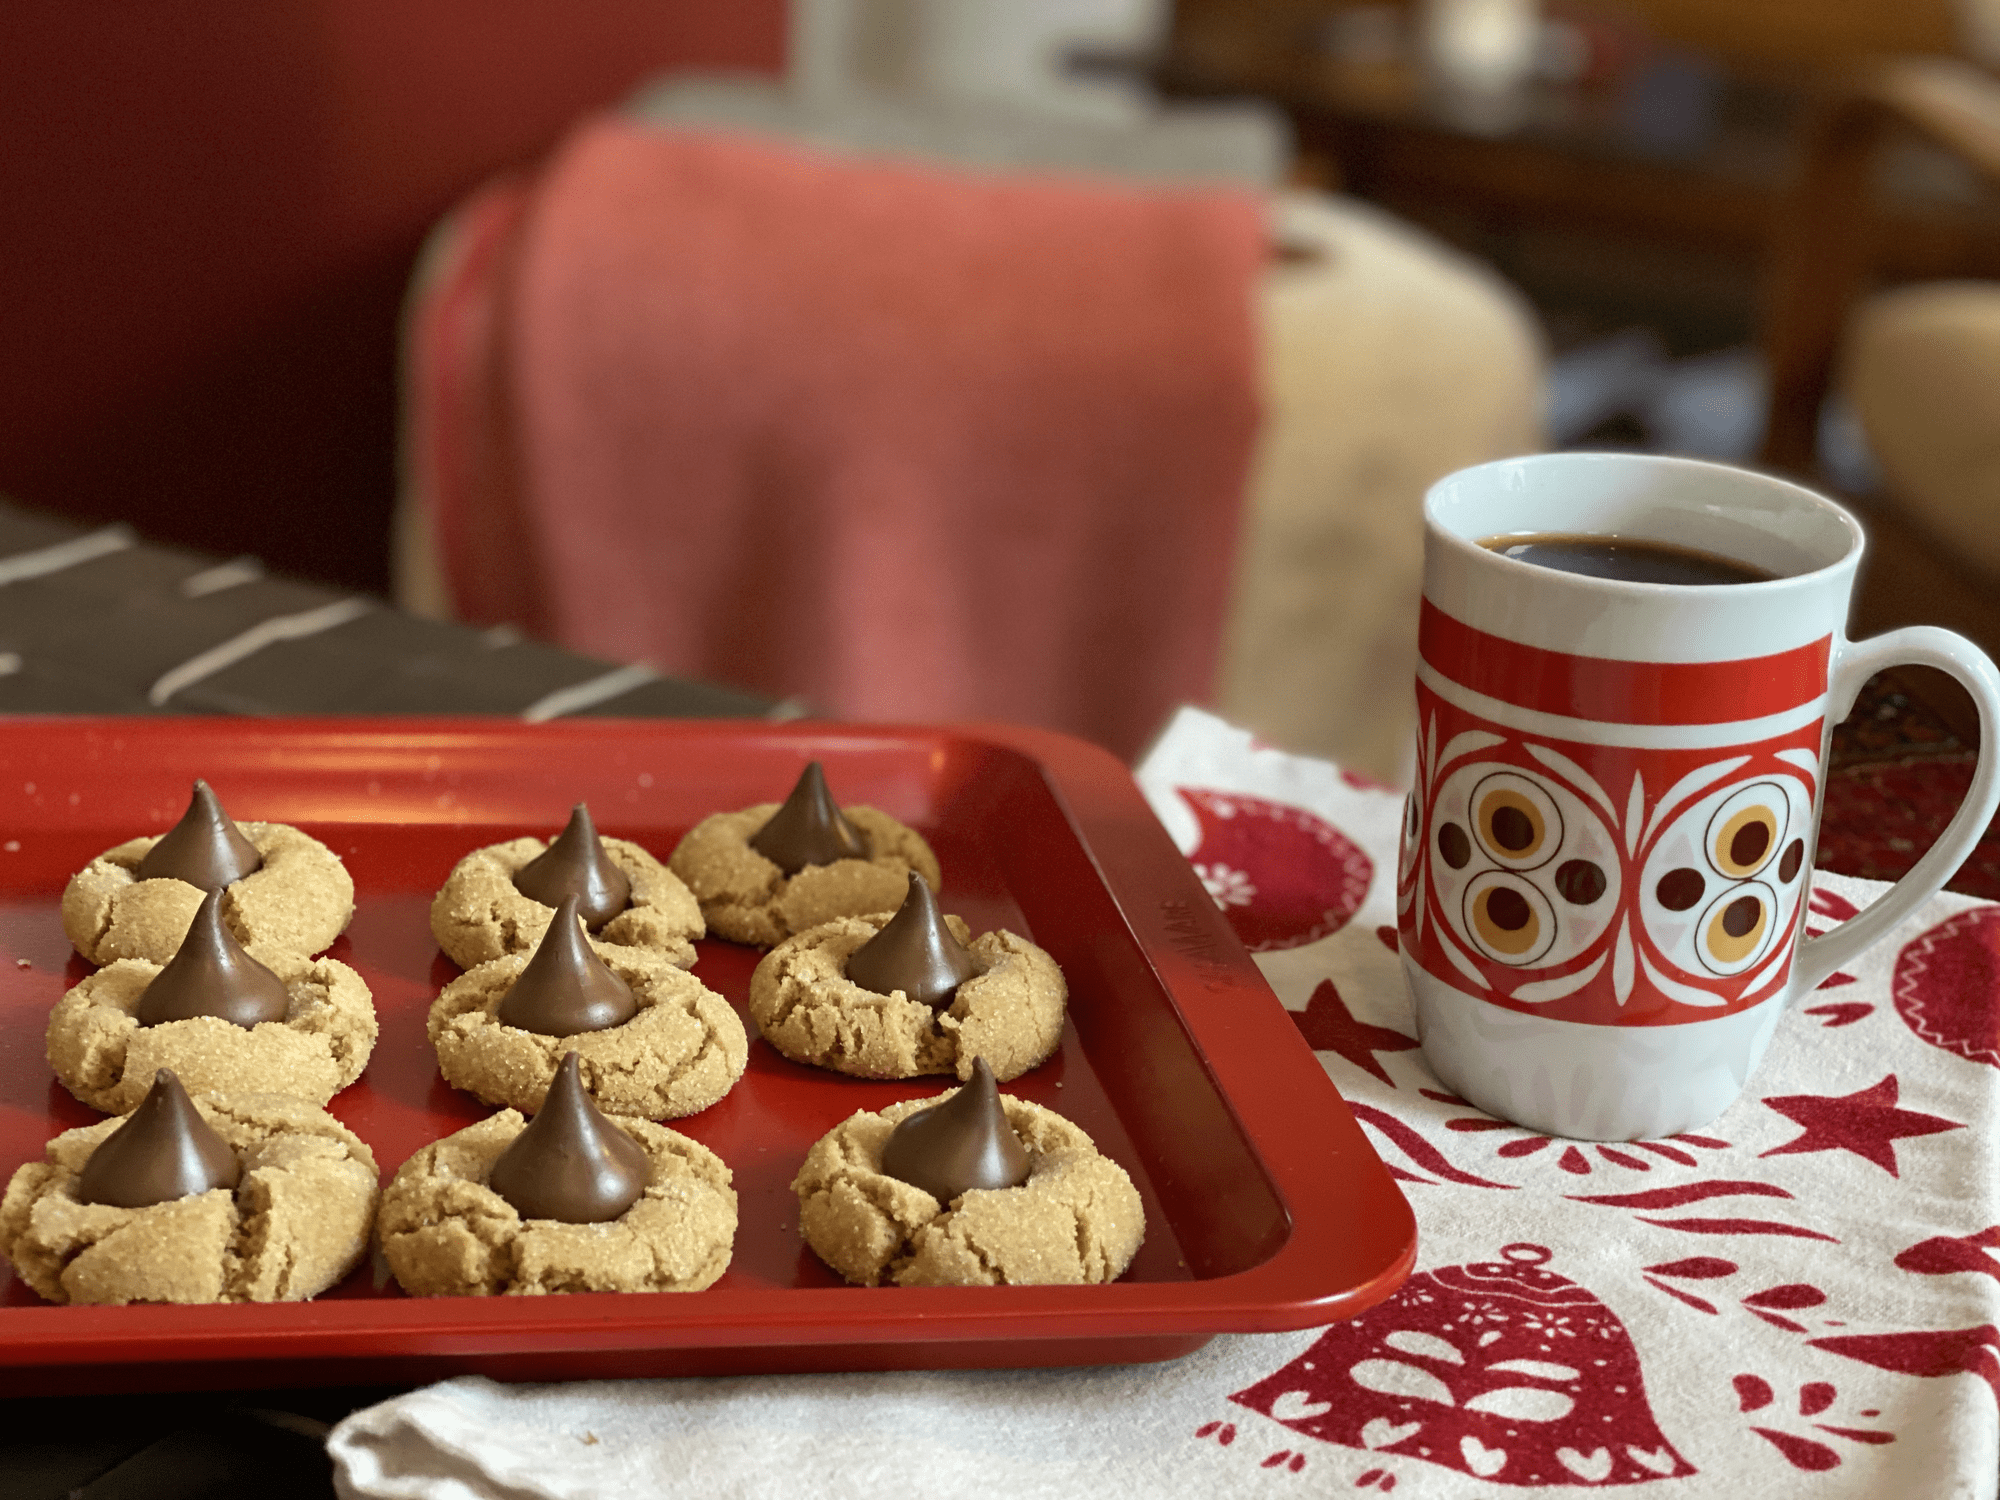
208	215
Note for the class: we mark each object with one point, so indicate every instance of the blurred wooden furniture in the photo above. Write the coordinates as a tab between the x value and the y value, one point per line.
1815	32
1549	155
1831	237
1688	151
1935	533
1804	167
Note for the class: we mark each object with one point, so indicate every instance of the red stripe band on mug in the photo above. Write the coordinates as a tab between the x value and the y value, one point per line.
1621	692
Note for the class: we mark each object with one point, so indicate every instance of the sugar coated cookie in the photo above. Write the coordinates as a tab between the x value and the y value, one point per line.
445	1232
681	1052
747	896
297	902
295	1224
107	1059
479	915
1010	1013
1076	1220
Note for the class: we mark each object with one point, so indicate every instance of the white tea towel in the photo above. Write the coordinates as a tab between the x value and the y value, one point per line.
1799	1300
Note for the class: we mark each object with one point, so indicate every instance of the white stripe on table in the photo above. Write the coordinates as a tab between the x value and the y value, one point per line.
588	694
45	560
238	570
250	642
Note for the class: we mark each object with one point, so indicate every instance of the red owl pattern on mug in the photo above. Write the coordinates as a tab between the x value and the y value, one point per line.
1729	1319
1605	883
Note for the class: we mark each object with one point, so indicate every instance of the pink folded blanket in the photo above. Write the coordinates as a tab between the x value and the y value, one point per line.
901	441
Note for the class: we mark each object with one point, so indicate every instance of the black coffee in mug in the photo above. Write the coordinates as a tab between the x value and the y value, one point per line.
1626	559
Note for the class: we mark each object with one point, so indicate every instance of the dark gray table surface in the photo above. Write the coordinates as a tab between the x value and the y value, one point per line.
96	621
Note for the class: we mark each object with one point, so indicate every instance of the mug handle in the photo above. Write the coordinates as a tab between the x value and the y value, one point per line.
1926	646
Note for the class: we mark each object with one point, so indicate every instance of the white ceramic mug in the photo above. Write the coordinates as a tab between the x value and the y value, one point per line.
1606	855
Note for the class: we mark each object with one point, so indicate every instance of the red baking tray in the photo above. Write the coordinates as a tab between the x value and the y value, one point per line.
1266	1208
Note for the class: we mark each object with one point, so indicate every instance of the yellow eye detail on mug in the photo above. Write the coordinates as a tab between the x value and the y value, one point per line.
1516	822
1747	830
1736	928
1509	919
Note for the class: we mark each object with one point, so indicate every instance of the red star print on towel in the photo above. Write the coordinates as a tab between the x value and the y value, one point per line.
1866	1123
1329	1026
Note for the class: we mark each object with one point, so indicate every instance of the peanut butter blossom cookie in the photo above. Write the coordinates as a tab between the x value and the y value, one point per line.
222	1020
897	996
969	1189
225	1198
500	899
652	1039
769	871
570	1202
283	891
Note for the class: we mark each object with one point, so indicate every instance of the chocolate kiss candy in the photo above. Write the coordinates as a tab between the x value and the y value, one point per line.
809	829
565	988
164	1150
205	848
961	1144
211	975
571	1163
915	953
576	865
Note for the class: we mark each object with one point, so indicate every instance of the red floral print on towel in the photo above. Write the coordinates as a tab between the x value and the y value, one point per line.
1946	1255
1282	876
1947	985
1925	1353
